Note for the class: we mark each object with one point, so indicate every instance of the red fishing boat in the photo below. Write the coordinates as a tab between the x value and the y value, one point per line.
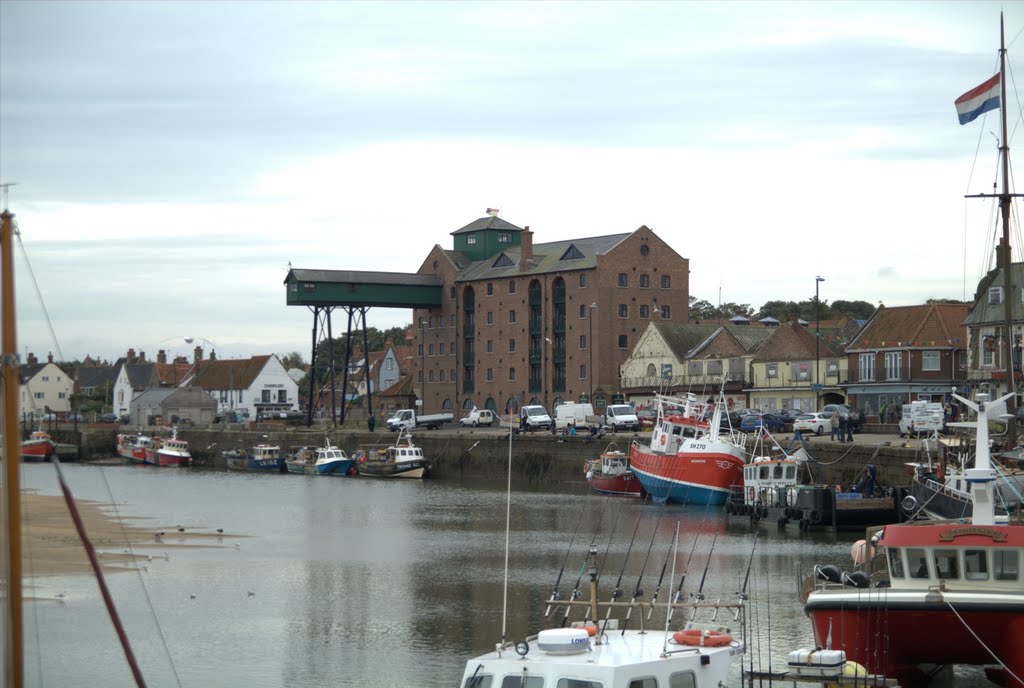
690	459
950	592
133	447
169	451
609	473
38	447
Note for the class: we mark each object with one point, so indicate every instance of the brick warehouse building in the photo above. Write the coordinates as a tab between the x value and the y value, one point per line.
524	323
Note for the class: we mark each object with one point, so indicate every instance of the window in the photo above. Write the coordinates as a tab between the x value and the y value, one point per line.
389	364
583	311
930	360
441	349
430	350
430	376
867	367
451	374
1004	564
989	350
452	323
511	374
583	341
490	346
583	372
441	375
442	321
645	312
803	371
511	346
645	281
918	563
431	324
623	341
623	279
514	681
666	282
623	310
644	250
946	565
419	376
832	368
265	396
684	679
471	239
975	564
666	313
646	682
772	370
490	317
694	368
511	286
511	316
893	364
651	370
422	323
451	293
583	280
490	288
419	350
504	237
715	367
995	296
490	374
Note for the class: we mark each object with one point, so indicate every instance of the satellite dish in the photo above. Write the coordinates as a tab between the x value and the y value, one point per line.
189	340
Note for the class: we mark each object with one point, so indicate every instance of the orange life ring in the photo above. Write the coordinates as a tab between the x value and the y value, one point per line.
663	439
695	636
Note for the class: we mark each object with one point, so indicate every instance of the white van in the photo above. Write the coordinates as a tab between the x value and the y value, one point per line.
921	417
580	415
621	417
534	418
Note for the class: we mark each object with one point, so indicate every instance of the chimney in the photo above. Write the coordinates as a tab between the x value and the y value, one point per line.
142	357
161	356
213	354
49	357
198	354
493	212
131	356
525	249
32	360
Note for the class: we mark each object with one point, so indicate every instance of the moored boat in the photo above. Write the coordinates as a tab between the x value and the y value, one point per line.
689	459
133	447
402	459
948	592
262	457
169	451
324	460
609	473
38	447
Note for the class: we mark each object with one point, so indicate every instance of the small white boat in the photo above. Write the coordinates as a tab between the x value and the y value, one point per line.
402	459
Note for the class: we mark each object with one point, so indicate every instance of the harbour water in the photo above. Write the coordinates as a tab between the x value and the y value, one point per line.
362	582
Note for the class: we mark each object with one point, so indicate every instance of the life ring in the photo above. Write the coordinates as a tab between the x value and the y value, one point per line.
662	440
695	636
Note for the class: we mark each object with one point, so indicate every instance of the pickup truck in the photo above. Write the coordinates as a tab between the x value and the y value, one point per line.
406	419
478	417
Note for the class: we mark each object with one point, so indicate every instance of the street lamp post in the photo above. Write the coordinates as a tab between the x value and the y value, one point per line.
817	344
590	345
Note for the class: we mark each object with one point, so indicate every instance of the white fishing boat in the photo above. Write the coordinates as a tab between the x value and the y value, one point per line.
403	459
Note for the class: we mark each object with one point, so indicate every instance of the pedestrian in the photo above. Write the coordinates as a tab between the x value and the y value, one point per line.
371	421
843	427
834	422
851	420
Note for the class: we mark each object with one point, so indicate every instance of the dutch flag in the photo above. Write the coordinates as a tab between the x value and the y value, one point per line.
978	100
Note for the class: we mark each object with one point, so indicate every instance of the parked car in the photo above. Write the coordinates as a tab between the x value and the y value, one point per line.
478	417
818	423
787	417
76	418
648	417
730	421
109	418
756	422
845	412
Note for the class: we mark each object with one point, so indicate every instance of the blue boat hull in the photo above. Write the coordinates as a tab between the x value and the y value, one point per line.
661	490
275	465
335	467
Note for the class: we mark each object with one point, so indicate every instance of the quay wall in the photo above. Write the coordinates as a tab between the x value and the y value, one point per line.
483	454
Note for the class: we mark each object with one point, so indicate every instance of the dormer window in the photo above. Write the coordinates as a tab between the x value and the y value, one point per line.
995	296
471	238
504	237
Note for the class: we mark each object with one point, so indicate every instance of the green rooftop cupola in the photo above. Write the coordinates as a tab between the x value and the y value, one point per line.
487	236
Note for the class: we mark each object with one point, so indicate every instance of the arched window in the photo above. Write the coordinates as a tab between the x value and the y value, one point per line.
446	405
651	370
491	405
512	406
468	404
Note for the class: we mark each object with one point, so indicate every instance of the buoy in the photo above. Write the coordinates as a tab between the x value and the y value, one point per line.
850	670
698	637
861	551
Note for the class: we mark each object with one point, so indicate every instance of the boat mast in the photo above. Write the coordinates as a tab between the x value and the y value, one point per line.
1004	255
14	661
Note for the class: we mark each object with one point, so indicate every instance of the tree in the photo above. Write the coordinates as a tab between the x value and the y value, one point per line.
293	360
858	310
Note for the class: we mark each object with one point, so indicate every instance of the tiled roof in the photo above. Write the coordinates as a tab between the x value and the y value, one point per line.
229	373
96	376
402	388
546	258
193	397
171	374
939	325
685	339
793	342
140	375
489	222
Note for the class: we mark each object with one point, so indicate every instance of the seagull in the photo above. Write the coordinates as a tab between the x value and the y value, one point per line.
220	530
192	596
180	529
60	596
149	558
252	594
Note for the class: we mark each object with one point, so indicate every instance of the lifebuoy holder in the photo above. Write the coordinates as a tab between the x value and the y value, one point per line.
702	638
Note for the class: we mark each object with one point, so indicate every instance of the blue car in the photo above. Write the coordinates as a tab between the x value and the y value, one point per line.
752	422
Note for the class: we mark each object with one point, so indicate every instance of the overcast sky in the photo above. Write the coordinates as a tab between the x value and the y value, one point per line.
172	159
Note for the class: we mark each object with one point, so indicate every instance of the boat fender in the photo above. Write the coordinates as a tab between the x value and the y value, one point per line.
663	440
590	475
697	637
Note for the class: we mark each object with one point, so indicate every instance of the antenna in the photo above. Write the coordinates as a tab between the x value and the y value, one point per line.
3	190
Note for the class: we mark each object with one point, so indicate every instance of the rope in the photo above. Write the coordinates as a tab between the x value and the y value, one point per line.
39	294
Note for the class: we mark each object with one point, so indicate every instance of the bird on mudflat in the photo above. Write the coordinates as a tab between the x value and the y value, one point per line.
252	594
220	530
180	529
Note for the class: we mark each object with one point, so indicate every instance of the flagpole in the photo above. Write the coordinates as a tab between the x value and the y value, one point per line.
1007	263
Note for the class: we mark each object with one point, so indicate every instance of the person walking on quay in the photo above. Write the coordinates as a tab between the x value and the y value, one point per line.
371	421
834	422
851	421
844	427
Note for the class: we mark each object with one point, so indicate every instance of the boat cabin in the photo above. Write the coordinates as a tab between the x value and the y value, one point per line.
770	482
988	561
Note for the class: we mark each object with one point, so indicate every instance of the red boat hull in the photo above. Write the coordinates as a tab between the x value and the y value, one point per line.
687	477
624	484
36	451
157	458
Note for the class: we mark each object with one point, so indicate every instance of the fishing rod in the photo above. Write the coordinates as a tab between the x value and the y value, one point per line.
664	567
558	581
686	569
638	591
617	591
591	552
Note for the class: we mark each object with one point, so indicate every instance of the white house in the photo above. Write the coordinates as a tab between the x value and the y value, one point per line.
43	387
252	385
